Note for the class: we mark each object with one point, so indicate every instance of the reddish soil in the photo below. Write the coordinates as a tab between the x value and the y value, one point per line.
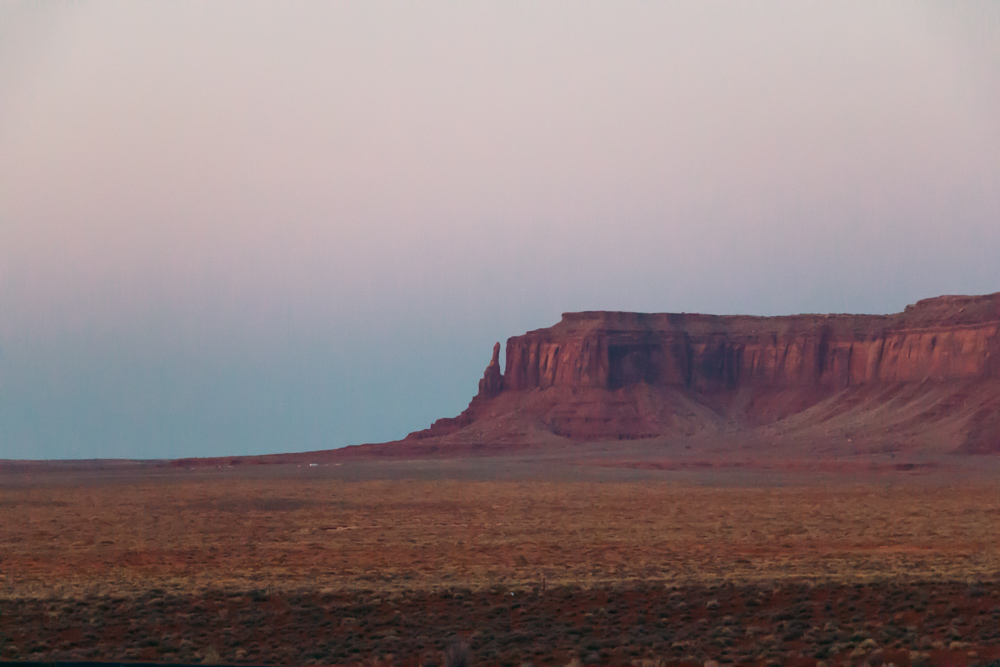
530	561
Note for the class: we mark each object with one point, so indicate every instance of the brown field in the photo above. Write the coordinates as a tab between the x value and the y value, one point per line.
383	563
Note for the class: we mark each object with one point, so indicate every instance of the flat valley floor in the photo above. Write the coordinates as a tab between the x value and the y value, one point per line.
528	560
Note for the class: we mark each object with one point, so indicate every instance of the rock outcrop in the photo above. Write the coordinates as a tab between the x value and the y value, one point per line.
619	375
492	382
489	387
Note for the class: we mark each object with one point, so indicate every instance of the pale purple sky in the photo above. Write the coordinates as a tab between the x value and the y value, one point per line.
231	228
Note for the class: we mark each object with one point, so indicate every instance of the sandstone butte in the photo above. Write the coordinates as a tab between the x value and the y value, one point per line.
926	380
666	390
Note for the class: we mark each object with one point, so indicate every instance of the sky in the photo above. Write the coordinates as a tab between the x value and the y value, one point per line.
238	228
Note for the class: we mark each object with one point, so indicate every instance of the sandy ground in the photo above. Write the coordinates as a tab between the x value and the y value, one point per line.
601	555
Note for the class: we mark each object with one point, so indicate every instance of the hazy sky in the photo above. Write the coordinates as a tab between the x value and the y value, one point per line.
231	228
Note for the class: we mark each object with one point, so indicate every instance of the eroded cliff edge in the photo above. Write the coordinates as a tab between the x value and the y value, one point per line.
928	375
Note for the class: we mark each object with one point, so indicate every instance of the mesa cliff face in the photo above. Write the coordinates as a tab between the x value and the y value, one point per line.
613	375
703	352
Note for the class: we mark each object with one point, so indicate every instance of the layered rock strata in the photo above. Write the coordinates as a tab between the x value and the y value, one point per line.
631	375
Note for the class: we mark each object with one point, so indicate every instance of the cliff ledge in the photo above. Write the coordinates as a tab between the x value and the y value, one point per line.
925	379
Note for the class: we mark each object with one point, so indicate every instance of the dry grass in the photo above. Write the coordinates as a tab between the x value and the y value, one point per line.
286	568
186	533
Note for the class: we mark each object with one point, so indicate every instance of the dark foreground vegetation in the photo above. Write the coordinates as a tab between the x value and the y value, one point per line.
792	624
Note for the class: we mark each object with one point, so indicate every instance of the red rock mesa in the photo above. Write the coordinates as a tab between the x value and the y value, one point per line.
928	377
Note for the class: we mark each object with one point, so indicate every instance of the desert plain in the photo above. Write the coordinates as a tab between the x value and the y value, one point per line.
632	489
541	558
